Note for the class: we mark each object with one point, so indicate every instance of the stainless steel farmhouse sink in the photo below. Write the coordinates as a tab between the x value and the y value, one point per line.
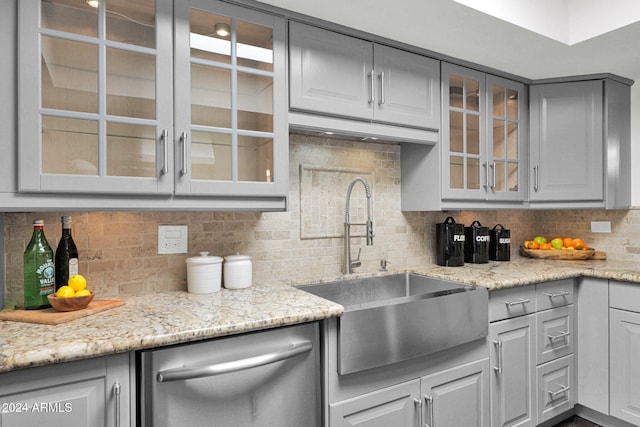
389	319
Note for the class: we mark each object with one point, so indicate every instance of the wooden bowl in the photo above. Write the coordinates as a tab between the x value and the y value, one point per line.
70	304
557	253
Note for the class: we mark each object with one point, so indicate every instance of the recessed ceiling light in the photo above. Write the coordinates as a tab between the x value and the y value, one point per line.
93	3
221	29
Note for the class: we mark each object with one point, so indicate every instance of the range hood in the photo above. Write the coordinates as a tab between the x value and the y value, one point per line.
360	130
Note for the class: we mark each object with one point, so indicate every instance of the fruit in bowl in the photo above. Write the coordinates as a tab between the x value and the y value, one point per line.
72	303
74	296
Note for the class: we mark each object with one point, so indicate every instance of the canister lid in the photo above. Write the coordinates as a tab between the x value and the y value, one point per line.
237	257
204	259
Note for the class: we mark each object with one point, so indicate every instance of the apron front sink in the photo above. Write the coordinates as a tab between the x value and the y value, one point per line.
388	319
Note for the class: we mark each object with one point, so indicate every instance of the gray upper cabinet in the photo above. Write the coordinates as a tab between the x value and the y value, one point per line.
152	98
340	75
482	156
580	144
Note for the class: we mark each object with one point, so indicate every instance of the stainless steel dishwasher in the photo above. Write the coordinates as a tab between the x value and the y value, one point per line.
267	378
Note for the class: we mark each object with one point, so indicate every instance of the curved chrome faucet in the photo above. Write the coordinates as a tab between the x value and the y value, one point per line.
348	263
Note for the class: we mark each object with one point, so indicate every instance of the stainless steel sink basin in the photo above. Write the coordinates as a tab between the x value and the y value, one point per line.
389	319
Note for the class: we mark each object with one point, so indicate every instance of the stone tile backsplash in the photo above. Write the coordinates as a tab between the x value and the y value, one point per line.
118	250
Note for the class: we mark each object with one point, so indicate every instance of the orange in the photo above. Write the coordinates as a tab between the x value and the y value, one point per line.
567	242
579	244
545	246
533	245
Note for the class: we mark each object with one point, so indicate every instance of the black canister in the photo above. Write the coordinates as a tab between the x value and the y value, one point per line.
499	243
450	243
476	244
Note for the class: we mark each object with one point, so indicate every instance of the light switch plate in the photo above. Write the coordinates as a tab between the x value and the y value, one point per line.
172	239
601	226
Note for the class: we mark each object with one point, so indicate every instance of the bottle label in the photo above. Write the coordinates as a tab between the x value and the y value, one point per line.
73	266
45	275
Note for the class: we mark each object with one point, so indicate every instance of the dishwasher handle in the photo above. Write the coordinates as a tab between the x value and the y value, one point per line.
180	374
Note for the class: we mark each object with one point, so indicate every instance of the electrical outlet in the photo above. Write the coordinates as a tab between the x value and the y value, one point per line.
172	239
601	226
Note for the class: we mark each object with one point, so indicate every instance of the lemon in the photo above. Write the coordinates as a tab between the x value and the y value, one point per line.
77	282
65	292
82	293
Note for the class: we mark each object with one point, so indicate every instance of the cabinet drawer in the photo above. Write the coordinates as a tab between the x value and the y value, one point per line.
512	302
555	388
624	295
554	294
554	333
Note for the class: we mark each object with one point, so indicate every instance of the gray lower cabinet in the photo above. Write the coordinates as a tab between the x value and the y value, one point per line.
433	400
580	132
457	397
624	350
532	345
340	75
398	405
93	392
512	372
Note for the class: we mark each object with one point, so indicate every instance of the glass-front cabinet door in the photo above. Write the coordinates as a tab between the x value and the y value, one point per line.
483	132
230	79
95	109
507	155
463	133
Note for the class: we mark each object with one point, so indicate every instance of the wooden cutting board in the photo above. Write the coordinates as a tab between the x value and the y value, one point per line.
51	316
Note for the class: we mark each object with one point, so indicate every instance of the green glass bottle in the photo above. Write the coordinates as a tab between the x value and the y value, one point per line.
39	272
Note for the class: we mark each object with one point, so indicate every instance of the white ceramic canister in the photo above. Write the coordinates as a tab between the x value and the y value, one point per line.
238	271
204	273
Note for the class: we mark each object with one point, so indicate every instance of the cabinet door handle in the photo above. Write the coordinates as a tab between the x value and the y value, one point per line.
372	97
381	78
519	301
498	345
535	178
429	401
493	169
563	389
486	174
562	334
185	140
116	394
557	294
418	405
165	152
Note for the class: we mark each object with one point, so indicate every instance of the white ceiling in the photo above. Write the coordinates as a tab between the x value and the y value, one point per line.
453	29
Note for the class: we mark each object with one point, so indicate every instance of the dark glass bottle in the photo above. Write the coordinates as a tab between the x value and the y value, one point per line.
66	255
39	273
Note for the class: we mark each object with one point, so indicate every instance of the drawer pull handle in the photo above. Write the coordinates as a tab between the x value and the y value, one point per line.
563	389
557	294
559	336
519	301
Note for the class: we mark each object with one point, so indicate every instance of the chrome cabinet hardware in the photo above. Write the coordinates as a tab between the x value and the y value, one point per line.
429	400
372	96
381	78
180	374
557	294
562	334
165	152
493	168
116	394
535	178
563	389
418	405
498	345
519	301
184	138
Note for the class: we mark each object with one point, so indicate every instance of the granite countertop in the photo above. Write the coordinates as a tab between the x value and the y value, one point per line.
165	318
